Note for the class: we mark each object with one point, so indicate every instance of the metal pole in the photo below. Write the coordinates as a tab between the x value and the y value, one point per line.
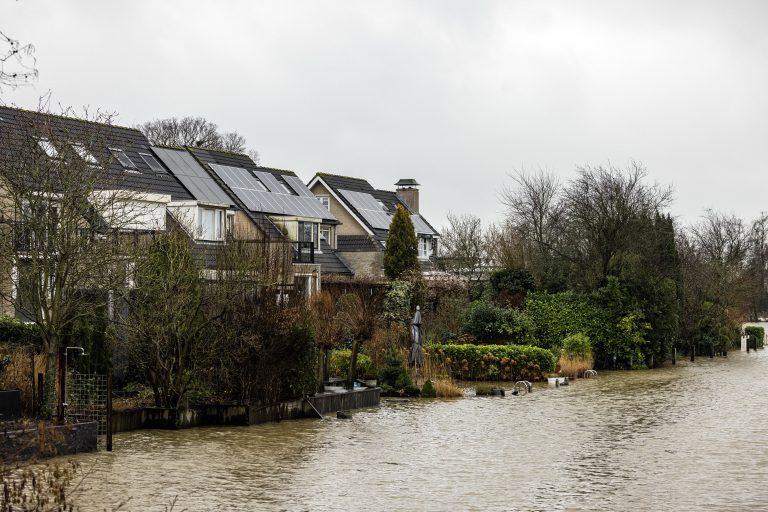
674	355
109	410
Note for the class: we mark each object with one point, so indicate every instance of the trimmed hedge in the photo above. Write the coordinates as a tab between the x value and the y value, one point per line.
496	362
757	332
16	332
340	360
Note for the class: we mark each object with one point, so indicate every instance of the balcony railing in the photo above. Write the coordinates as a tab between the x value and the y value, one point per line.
303	252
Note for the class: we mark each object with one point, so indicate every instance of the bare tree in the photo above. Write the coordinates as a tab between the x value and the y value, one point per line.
61	252
464	246
17	62
194	131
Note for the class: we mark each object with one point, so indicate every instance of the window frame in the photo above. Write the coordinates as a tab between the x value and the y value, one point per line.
117	152
216	228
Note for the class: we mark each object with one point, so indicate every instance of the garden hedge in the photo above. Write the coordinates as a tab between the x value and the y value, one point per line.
757	332
496	362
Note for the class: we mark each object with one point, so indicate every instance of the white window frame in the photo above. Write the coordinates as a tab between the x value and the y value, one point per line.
84	153
214	232
425	248
117	153
47	146
325	201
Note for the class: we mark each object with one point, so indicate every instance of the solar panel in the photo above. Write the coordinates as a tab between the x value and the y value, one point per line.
369	208
420	225
192	176
270	181
298	185
250	192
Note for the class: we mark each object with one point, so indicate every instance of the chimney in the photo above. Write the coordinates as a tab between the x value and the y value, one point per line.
408	190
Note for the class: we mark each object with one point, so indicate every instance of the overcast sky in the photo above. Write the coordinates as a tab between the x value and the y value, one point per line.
454	94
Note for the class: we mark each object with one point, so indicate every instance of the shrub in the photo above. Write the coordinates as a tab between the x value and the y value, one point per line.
556	316
757	332
340	360
428	390
397	302
509	286
394	374
577	346
15	332
506	362
489	322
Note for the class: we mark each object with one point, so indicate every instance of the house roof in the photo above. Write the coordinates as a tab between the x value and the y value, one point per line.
330	262
388	198
19	129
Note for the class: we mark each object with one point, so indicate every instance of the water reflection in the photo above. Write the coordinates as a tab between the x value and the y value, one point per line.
680	438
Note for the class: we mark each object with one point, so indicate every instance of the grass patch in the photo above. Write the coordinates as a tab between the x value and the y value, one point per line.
446	388
574	367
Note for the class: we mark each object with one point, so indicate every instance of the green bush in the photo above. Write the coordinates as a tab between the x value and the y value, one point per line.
757	332
489	322
557	316
577	346
496	362
428	390
397	302
340	360
509	286
15	332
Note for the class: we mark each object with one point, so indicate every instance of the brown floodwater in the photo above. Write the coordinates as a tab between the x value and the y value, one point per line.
688	437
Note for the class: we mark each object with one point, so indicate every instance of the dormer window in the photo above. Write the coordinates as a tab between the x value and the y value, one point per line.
124	159
48	147
211	224
83	153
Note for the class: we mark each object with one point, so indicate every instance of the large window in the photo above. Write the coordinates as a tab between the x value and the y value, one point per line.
308	232
211	224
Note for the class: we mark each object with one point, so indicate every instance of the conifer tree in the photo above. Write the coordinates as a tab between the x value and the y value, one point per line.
401	255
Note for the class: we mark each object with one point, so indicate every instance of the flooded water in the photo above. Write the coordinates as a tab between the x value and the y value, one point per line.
690	437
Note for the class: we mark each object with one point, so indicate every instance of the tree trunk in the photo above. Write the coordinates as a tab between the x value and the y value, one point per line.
49	401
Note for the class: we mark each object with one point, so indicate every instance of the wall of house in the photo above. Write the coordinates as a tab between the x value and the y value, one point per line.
245	229
349	226
365	263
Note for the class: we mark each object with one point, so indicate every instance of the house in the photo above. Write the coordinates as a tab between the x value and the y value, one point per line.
365	214
112	183
279	203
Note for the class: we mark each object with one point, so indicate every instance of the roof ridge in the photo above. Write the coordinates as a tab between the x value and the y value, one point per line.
72	118
224	151
330	174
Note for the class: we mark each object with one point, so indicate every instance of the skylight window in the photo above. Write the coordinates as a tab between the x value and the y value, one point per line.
152	162
48	147
83	153
287	189
121	157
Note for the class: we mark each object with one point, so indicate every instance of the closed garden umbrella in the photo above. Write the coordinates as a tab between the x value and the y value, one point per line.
415	357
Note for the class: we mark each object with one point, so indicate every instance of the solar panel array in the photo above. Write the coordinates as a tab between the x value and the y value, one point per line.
421	226
270	181
369	208
192	176
298	185
250	191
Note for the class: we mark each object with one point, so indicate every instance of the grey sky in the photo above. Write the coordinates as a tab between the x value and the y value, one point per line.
454	94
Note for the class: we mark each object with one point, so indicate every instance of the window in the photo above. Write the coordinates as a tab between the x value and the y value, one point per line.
48	147
211	224
230	224
286	188
325	234
152	162
83	153
121	157
325	201
305	231
425	247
